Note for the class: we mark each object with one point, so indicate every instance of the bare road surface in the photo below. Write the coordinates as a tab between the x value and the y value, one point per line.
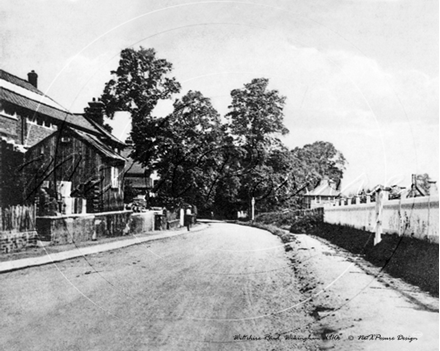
228	287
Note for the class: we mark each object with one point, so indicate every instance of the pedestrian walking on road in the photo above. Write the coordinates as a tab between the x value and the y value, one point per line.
188	218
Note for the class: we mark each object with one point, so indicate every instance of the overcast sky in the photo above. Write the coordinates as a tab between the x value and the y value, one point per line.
362	74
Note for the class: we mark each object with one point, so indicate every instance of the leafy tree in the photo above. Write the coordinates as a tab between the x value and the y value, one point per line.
255	119
314	161
189	151
139	83
254	122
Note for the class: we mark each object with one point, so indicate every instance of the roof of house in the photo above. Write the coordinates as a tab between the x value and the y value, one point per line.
33	105
102	130
132	167
20	92
89	139
324	188
139	183
101	147
18	81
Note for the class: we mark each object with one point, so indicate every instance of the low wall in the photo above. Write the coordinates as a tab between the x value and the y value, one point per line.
69	229
12	242
111	224
142	222
417	217
17	228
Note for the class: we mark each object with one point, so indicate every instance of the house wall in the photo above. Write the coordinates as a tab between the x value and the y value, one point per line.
11	177
24	126
70	159
417	217
35	133
8	126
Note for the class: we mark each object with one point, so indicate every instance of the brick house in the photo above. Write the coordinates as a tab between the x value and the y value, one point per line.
67	160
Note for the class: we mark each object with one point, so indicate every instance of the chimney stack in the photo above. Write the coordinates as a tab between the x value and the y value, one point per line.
95	111
33	78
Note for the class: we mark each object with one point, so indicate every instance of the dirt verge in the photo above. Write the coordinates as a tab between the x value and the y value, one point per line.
413	260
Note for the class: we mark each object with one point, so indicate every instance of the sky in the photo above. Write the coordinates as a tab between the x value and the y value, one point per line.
361	74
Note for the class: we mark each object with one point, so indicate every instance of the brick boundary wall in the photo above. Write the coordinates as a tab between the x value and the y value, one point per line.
13	242
414	217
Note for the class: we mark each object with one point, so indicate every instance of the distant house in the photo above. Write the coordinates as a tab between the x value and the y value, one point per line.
138	181
326	192
135	174
70	163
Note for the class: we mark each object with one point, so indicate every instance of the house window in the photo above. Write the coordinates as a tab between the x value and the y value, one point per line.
32	120
8	114
114	177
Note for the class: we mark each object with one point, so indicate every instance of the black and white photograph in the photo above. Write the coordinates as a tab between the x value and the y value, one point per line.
219	175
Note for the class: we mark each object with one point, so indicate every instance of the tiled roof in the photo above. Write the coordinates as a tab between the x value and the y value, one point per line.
132	168
324	189
89	139
16	99
20	92
101	129
98	145
18	81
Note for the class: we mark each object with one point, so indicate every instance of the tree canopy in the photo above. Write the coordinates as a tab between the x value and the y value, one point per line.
203	160
188	154
139	83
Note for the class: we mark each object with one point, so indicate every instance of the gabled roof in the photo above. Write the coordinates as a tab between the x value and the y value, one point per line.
132	167
89	139
102	130
18	81
20	92
101	147
324	189
60	115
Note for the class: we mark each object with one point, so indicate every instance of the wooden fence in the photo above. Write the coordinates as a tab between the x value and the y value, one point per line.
15	219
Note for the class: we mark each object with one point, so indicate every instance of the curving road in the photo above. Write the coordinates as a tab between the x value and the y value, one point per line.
227	287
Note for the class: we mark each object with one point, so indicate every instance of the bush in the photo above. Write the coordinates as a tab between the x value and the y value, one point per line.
299	221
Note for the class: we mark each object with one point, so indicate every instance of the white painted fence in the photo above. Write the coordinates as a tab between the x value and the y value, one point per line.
418	217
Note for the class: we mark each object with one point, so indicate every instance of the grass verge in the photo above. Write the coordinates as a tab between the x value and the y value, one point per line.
413	260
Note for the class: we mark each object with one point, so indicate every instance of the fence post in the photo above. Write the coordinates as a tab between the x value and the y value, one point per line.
379	211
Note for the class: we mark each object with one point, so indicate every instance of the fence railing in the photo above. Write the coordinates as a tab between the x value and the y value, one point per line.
416	216
18	218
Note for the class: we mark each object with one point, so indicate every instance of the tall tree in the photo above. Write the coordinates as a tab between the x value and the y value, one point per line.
317	160
139	83
255	121
256	116
189	151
